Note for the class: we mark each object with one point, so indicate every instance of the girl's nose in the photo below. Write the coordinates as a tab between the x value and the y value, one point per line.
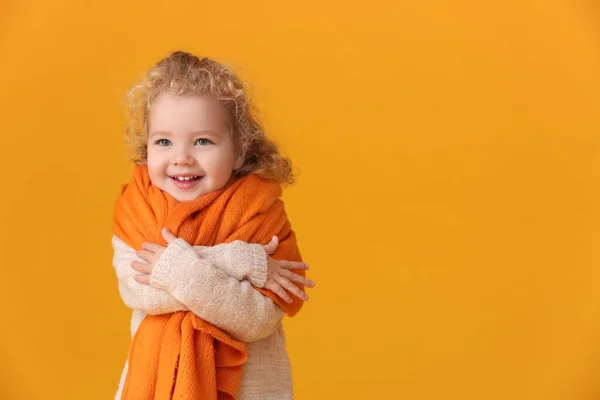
184	157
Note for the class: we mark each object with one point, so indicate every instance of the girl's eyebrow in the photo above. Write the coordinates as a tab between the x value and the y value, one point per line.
204	132
162	133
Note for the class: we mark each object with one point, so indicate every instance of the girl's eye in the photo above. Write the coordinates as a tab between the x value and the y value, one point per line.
163	142
203	142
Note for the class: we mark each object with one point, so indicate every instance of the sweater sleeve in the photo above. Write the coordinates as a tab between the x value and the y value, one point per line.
135	295
232	305
238	259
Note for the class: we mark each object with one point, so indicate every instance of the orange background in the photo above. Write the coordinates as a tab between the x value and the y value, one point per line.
448	195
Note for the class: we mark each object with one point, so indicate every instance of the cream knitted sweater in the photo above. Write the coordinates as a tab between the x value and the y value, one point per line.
215	284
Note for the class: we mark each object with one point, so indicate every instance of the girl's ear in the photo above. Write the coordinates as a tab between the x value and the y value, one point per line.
239	161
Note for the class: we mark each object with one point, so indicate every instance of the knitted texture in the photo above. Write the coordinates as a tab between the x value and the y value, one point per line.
197	281
180	355
220	292
244	262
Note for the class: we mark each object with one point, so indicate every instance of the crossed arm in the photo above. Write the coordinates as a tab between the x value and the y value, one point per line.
216	283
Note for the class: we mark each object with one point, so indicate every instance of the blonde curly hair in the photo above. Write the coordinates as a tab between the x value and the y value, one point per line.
184	74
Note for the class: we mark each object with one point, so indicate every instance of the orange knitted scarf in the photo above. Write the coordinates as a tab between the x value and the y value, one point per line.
179	355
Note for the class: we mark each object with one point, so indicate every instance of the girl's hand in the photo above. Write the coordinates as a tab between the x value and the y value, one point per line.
150	253
280	276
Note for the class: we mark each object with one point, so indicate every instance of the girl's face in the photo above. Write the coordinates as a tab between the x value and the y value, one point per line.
190	150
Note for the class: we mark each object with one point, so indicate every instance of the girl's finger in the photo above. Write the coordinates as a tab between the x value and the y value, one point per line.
272	245
141	267
153	247
297	278
278	290
144	279
290	287
168	236
293	265
145	255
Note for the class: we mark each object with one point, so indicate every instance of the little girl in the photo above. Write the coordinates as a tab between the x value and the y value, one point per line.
207	297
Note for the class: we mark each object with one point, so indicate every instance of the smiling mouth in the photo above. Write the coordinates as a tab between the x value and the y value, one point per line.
185	178
185	182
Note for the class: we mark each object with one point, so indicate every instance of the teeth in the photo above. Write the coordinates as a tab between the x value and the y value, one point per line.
184	178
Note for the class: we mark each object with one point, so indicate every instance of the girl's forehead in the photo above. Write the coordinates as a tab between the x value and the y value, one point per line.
203	99
205	108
